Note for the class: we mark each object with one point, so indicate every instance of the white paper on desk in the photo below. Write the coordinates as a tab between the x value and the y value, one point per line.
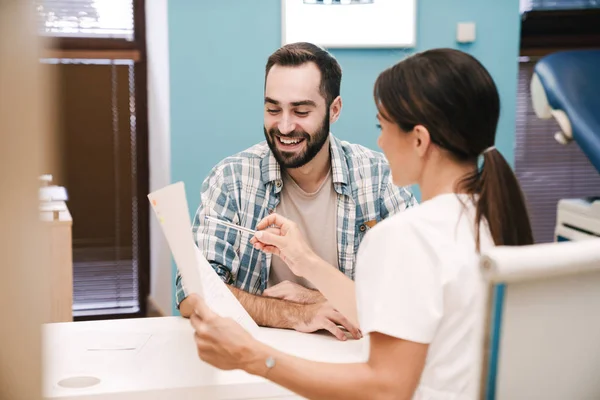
198	276
106	341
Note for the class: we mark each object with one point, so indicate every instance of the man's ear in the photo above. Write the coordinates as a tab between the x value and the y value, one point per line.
335	109
422	139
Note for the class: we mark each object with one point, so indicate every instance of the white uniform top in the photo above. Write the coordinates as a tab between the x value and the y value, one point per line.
417	278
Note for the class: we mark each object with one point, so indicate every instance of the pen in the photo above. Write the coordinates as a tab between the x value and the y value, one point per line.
230	225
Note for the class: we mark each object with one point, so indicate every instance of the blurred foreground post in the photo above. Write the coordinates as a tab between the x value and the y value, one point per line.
25	138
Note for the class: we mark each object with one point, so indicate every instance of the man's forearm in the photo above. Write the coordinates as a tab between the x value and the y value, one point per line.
267	311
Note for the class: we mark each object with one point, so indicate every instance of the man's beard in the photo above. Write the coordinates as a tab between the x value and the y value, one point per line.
314	144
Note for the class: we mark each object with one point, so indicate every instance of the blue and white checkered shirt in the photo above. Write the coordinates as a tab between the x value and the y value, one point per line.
245	188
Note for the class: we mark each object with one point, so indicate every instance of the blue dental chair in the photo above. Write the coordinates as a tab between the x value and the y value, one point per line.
566	86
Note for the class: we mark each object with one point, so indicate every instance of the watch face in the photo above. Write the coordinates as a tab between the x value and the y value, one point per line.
270	362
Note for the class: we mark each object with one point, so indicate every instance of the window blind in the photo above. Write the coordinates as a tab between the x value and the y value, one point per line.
98	145
547	5
547	170
86	18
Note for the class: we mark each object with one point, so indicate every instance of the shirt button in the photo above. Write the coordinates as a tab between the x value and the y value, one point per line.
363	228
278	183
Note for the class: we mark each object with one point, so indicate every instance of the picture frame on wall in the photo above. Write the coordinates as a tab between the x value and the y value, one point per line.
350	23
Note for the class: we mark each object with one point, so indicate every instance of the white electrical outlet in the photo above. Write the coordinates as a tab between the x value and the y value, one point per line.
465	32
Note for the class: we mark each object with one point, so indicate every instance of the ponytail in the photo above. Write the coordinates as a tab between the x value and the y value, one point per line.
501	202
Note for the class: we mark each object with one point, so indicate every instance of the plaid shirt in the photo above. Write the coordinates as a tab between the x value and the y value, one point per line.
246	187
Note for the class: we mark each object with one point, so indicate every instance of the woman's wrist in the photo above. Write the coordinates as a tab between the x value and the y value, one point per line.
261	361
312	265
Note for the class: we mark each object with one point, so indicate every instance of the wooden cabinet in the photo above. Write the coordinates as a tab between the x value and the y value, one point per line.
57	219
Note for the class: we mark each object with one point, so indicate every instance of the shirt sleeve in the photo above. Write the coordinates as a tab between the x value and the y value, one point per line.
393	199
398	284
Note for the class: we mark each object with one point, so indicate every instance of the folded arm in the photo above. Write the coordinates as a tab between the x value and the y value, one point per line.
264	311
283	314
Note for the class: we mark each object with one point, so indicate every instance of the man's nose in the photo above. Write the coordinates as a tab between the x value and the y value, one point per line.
286	125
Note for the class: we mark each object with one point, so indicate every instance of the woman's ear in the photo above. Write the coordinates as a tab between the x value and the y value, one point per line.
422	139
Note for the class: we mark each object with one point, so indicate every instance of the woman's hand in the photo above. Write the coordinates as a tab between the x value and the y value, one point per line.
285	241
222	342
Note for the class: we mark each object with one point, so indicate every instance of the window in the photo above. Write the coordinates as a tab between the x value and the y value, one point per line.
98	57
547	5
548	26
547	170
86	18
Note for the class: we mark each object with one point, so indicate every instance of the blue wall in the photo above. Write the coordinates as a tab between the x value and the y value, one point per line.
218	50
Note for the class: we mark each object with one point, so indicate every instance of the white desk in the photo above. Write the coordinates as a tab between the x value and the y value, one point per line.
165	364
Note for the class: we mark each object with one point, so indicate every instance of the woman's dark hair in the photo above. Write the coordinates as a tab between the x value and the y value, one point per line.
451	94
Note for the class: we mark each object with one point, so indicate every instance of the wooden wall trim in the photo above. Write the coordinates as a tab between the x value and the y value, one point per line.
134	55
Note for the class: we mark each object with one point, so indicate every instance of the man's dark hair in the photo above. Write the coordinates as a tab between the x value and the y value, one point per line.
296	54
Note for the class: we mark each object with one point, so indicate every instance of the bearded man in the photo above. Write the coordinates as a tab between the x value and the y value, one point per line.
335	191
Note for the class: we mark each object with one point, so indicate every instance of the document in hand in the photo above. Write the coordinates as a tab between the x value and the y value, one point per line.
198	276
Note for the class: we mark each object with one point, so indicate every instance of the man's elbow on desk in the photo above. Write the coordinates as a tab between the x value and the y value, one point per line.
187	305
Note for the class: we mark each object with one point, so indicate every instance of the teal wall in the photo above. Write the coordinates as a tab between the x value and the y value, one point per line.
218	50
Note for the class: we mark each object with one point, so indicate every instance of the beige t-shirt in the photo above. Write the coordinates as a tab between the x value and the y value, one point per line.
316	215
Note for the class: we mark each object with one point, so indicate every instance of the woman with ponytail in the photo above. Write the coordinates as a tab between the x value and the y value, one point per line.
418	291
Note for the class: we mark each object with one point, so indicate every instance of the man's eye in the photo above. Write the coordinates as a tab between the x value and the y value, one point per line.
302	113
271	111
378	126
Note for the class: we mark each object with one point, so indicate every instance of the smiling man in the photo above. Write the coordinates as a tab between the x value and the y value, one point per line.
335	191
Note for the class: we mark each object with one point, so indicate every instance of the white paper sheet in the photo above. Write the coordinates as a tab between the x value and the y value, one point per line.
198	276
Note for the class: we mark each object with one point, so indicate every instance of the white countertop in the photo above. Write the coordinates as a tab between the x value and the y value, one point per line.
155	358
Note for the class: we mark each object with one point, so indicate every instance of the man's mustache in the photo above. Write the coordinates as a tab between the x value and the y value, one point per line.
291	135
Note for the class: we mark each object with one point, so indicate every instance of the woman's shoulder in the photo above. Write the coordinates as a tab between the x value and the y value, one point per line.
429	222
443	207
396	231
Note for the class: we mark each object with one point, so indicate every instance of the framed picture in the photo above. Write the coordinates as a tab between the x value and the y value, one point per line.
350	23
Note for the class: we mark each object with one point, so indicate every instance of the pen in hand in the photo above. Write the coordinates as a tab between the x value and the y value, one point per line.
230	225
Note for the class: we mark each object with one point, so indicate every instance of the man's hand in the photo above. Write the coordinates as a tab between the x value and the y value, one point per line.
186	307
291	291
319	316
278	313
